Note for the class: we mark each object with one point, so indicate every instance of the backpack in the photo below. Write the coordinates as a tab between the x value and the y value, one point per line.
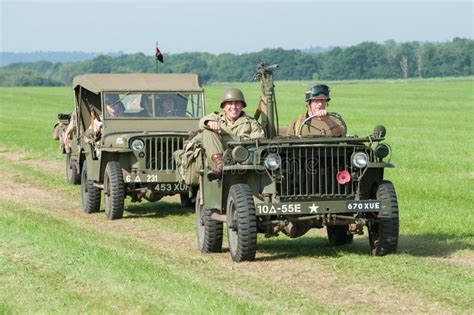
189	161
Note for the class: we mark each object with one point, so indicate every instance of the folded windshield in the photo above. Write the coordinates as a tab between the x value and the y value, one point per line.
153	105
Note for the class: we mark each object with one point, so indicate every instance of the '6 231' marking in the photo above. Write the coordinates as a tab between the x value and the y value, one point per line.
150	178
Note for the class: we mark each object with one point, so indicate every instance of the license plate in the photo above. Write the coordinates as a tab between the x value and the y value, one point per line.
269	209
364	205
167	187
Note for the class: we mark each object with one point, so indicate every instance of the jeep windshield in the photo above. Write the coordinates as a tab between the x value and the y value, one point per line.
124	105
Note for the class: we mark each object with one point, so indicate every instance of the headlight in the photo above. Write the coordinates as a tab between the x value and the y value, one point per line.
240	154
137	145
360	159
272	161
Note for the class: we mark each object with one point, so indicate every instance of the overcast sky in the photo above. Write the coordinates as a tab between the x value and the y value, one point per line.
224	26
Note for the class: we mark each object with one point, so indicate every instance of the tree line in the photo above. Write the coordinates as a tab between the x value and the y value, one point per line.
367	60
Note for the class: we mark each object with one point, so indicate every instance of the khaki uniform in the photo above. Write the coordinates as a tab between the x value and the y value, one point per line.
330	126
245	128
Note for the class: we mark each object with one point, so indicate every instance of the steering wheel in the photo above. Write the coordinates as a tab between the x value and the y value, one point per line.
321	131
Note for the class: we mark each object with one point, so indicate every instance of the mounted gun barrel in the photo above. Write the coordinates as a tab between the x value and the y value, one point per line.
267	109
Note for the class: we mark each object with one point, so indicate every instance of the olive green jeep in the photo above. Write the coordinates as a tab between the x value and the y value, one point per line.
290	184
64	138
126	129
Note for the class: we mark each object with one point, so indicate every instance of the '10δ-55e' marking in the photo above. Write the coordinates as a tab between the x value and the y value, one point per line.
284	208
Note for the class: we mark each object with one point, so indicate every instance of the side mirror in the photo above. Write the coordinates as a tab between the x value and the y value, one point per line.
379	131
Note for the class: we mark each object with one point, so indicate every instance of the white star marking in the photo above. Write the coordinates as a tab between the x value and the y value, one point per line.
314	208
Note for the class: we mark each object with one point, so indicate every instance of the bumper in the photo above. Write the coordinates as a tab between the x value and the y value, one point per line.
323	207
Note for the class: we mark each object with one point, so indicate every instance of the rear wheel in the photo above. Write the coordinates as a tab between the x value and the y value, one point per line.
208	232
241	223
114	192
89	193
338	235
72	175
383	234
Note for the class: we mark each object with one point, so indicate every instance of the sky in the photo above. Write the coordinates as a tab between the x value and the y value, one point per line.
226	25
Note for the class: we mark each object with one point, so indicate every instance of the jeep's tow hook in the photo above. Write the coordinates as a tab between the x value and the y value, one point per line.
357	227
273	230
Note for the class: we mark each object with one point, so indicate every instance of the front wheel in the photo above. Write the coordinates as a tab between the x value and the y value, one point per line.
114	191
383	234
241	223
89	193
208	232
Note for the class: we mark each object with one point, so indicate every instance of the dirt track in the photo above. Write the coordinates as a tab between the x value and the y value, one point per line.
296	275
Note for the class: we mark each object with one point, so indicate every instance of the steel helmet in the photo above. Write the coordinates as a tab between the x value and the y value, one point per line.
233	94
318	92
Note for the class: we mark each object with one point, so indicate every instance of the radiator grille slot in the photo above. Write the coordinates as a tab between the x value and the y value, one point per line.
159	152
311	172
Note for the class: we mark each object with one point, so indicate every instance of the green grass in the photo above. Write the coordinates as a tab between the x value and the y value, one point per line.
64	261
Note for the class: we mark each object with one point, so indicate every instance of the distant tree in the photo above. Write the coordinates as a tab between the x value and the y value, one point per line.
367	60
404	66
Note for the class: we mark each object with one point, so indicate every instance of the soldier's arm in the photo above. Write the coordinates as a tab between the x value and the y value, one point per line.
205	119
257	131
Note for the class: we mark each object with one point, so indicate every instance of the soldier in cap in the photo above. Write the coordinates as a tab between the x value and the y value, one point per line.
317	121
229	124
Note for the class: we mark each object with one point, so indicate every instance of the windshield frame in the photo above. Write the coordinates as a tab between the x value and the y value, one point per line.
131	105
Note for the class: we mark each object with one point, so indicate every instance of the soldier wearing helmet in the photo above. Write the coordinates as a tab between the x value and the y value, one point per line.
230	124
317	121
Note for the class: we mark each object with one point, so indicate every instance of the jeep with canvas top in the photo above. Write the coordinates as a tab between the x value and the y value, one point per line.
127	127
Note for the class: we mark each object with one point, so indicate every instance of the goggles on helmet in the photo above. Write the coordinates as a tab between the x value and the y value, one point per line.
319	89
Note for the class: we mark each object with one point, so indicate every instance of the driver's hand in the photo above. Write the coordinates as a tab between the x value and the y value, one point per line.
214	126
321	113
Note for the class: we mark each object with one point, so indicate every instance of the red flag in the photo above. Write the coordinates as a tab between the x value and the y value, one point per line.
158	54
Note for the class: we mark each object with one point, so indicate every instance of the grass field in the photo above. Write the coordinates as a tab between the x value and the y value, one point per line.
56	259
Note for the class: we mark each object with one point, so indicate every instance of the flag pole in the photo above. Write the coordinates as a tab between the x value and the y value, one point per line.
158	55
156	58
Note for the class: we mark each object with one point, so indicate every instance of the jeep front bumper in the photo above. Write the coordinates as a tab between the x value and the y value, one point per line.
322	207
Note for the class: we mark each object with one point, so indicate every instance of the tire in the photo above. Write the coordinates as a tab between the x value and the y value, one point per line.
337	235
208	232
241	223
72	176
186	201
383	234
90	194
114	191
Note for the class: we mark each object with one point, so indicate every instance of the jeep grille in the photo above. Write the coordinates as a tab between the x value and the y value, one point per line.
311	172
159	152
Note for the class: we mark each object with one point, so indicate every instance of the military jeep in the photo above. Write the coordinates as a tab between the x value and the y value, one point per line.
291	184
59	133
125	136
